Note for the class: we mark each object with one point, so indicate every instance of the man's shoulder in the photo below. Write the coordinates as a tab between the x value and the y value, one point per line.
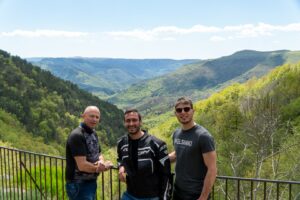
178	129
156	141
77	132
75	136
204	136
201	131
176	132
122	139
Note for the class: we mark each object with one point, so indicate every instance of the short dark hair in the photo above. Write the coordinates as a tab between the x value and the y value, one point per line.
130	110
184	100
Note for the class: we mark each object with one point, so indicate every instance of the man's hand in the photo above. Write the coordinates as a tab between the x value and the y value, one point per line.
100	166
122	174
108	164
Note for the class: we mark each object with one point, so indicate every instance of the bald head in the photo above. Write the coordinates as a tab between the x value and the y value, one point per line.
91	116
91	108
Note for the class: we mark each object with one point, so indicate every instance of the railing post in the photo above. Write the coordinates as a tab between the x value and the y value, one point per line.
45	177
30	181
265	190
56	181
13	173
119	185
290	192
251	190
9	181
277	191
21	178
226	189
51	192
102	173
110	178
17	174
34	160
63	180
1	170
4	175
238	189
40	165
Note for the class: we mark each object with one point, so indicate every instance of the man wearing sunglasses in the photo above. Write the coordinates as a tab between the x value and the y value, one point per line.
195	156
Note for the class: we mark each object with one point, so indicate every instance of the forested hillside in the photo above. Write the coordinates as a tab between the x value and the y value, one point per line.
199	80
256	125
44	107
107	76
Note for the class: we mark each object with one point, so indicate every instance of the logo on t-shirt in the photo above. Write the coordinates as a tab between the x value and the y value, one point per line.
183	142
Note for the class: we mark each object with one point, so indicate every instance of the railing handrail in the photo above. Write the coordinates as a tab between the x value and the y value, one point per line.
34	153
257	179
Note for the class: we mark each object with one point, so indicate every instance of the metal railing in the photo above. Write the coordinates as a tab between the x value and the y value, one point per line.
28	175
227	187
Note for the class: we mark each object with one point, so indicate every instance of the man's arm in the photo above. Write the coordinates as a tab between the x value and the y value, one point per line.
172	156
122	171
85	166
210	160
164	170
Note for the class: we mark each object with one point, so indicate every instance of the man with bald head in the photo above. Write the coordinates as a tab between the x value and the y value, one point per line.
84	158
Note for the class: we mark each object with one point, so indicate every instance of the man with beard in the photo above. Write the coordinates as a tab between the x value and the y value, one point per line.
143	162
195	156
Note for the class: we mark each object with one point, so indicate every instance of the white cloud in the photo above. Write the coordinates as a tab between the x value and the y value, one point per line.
157	42
162	32
42	33
229	32
169	32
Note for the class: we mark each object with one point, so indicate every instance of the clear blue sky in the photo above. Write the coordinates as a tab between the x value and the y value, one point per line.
147	28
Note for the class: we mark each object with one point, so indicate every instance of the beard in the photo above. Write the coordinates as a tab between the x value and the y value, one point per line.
134	130
184	119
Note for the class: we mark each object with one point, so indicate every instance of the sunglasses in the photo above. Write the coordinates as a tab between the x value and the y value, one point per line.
185	109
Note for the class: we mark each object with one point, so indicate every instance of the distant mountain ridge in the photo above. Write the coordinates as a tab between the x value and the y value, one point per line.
152	85
198	80
107	76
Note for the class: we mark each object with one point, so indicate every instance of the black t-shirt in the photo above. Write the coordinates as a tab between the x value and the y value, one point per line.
133	150
82	141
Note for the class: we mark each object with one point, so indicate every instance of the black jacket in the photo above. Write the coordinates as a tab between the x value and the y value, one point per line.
151	177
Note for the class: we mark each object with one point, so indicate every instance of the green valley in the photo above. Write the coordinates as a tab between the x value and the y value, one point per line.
38	110
200	80
106	76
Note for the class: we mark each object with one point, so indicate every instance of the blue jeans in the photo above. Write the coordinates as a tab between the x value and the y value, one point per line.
127	196
85	190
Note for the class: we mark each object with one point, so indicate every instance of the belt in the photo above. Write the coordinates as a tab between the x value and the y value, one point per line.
80	181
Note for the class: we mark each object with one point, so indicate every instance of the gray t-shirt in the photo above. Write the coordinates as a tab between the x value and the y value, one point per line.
190	169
